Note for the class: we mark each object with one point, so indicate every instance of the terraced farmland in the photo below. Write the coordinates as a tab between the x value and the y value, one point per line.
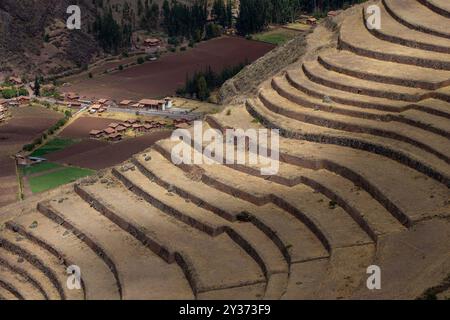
364	180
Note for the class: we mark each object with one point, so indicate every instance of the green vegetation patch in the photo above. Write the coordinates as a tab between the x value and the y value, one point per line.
276	37
40	167
53	145
58	178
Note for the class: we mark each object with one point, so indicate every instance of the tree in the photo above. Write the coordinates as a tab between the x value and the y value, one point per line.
37	87
202	89
254	16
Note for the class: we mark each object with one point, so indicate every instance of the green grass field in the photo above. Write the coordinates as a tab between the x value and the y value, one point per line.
55	179
41	167
276	37
53	145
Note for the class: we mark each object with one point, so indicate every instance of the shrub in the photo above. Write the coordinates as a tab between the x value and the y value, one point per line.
28	147
120	67
23	92
140	60
9	93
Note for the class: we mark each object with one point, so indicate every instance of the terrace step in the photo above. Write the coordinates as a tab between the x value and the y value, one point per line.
369	214
417	118
227	186
330	279
427	141
402	190
47	261
443	94
32	273
361	67
21	284
210	263
419	159
393	31
440	108
139	270
300	200
303	202
356	38
248	236
441	7
98	280
6	294
315	72
418	17
292	235
10	290
299	81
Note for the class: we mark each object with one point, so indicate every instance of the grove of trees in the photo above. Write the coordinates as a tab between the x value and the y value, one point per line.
201	84
256	15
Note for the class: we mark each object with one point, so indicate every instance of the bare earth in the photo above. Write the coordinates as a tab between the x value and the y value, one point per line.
163	77
27	123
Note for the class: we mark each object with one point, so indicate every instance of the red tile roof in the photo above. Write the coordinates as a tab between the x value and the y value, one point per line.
109	130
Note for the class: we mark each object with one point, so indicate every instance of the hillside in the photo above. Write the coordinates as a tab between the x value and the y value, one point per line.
363	180
25	24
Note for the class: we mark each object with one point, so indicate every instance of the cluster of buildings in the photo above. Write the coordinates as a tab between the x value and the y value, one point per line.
152	45
15	102
310	20
115	131
99	107
148	104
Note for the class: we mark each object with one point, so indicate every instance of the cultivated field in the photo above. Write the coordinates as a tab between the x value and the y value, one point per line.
27	123
94	154
80	128
277	36
163	77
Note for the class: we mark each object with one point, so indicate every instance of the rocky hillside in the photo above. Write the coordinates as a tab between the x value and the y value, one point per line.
24	46
34	38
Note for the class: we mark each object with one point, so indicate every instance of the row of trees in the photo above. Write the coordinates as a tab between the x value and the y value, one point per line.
201	84
183	20
223	12
110	34
256	15
191	21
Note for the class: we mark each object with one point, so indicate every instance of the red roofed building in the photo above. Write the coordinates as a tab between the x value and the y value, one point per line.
109	131
121	129
115	137
152	42
72	96
16	80
96	133
126	103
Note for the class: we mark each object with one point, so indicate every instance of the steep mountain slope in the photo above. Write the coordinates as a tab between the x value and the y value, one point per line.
23	26
34	38
363	180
